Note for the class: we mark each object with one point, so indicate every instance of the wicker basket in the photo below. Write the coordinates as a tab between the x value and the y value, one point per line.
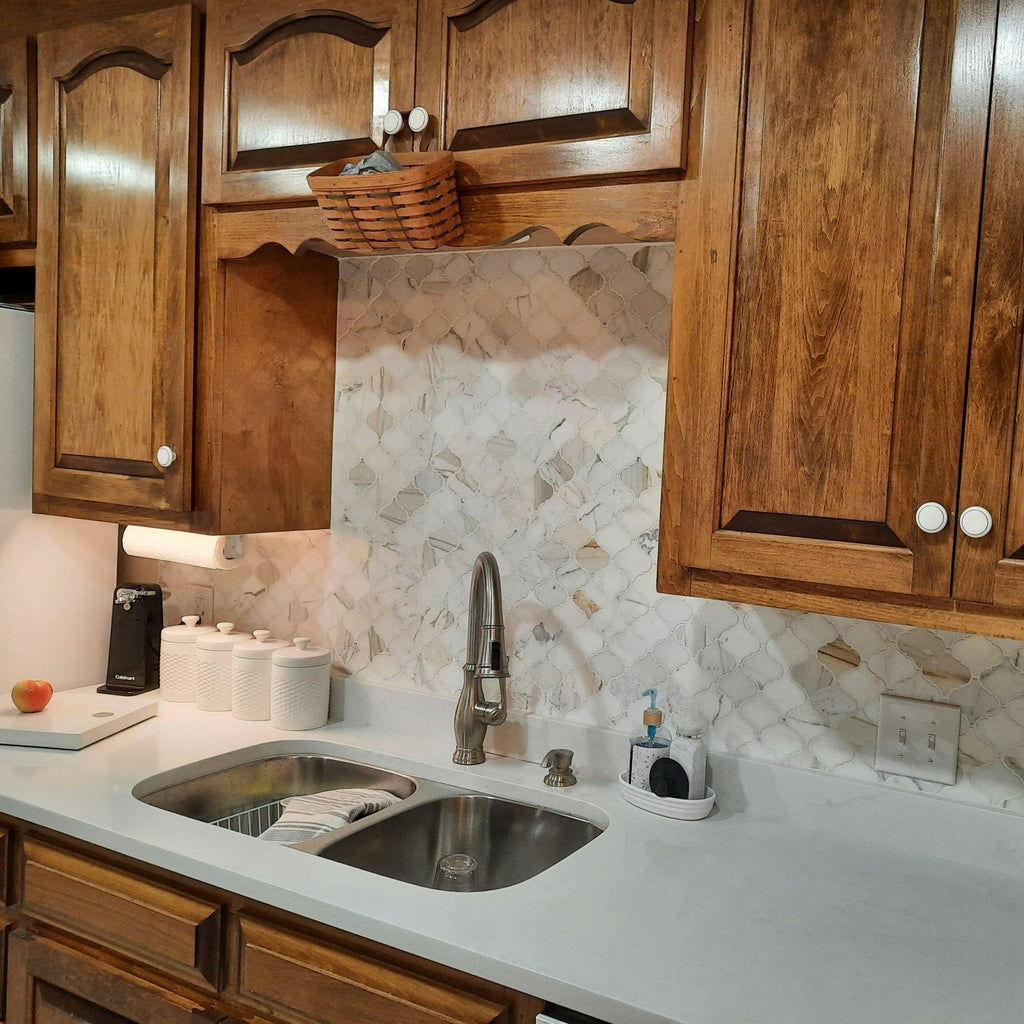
417	208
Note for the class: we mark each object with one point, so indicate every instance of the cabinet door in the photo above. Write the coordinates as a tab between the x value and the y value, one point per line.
116	259
991	568
529	91
290	87
824	285
17	140
48	984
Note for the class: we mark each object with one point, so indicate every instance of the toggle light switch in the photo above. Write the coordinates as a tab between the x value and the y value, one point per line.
919	738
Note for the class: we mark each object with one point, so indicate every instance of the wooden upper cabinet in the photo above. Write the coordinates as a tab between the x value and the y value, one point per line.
991	568
290	87
529	91
116	259
17	140
824	287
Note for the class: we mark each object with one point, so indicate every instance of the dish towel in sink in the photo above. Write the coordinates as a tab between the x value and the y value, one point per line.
307	816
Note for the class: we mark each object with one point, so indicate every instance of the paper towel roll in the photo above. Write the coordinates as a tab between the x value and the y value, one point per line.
189	548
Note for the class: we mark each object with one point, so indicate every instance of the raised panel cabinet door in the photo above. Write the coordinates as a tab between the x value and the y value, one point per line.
48	984
17	140
116	259
531	91
990	568
823	295
290	87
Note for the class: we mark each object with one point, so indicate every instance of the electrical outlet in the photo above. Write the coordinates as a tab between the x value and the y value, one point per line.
919	738
199	601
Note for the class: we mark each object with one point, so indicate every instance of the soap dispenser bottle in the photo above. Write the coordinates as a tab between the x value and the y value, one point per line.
648	743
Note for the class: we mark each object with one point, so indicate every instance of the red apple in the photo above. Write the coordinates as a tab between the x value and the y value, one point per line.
31	694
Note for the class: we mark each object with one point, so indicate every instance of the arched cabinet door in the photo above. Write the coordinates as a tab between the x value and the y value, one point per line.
290	87
116	260
531	91
17	142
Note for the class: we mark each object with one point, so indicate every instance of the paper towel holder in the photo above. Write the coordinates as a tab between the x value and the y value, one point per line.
221	551
234	546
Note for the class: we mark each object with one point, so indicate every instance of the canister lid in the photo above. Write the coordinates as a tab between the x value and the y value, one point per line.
653	716
302	655
223	639
258	649
187	633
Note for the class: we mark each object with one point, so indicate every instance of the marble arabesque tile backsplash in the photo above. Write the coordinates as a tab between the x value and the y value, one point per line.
513	401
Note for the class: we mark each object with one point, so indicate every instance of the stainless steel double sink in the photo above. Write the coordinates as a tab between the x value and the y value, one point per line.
436	836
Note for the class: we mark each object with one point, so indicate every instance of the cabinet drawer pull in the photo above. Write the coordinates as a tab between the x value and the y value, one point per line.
976	521
931	517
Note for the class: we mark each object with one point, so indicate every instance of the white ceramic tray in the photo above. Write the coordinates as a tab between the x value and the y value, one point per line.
684	810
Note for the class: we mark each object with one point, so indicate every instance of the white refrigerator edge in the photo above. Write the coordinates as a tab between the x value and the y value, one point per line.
57	575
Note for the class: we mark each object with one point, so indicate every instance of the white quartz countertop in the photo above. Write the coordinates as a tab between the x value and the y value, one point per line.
800	899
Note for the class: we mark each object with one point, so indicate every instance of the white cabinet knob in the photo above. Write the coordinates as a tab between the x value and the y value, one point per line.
165	455
393	122
976	521
418	119
931	517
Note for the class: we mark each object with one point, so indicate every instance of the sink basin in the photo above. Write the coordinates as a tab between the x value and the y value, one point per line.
246	797
438	836
465	841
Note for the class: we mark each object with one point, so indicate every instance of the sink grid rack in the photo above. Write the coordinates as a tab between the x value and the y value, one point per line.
254	821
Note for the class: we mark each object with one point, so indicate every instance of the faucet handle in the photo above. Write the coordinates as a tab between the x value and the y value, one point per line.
559	761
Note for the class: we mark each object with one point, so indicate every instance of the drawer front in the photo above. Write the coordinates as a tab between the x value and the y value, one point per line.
142	920
302	980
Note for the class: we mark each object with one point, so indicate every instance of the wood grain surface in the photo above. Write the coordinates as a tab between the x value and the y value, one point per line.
992	568
50	984
116	255
823	294
528	91
145	921
265	390
288	89
302	980
17	140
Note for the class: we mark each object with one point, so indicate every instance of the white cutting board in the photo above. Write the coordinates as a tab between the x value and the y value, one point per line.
74	718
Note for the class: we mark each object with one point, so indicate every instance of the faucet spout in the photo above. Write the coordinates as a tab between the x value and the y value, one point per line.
486	658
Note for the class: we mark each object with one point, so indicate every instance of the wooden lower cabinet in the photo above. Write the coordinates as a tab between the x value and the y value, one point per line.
5	931
51	984
300	979
170	930
96	938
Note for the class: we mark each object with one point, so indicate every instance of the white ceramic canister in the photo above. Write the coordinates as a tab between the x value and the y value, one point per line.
178	659
250	676
213	667
300	686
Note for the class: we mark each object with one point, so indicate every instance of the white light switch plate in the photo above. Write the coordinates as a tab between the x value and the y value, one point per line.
919	738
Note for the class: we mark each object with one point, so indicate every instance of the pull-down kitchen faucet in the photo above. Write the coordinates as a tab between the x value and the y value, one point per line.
485	659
